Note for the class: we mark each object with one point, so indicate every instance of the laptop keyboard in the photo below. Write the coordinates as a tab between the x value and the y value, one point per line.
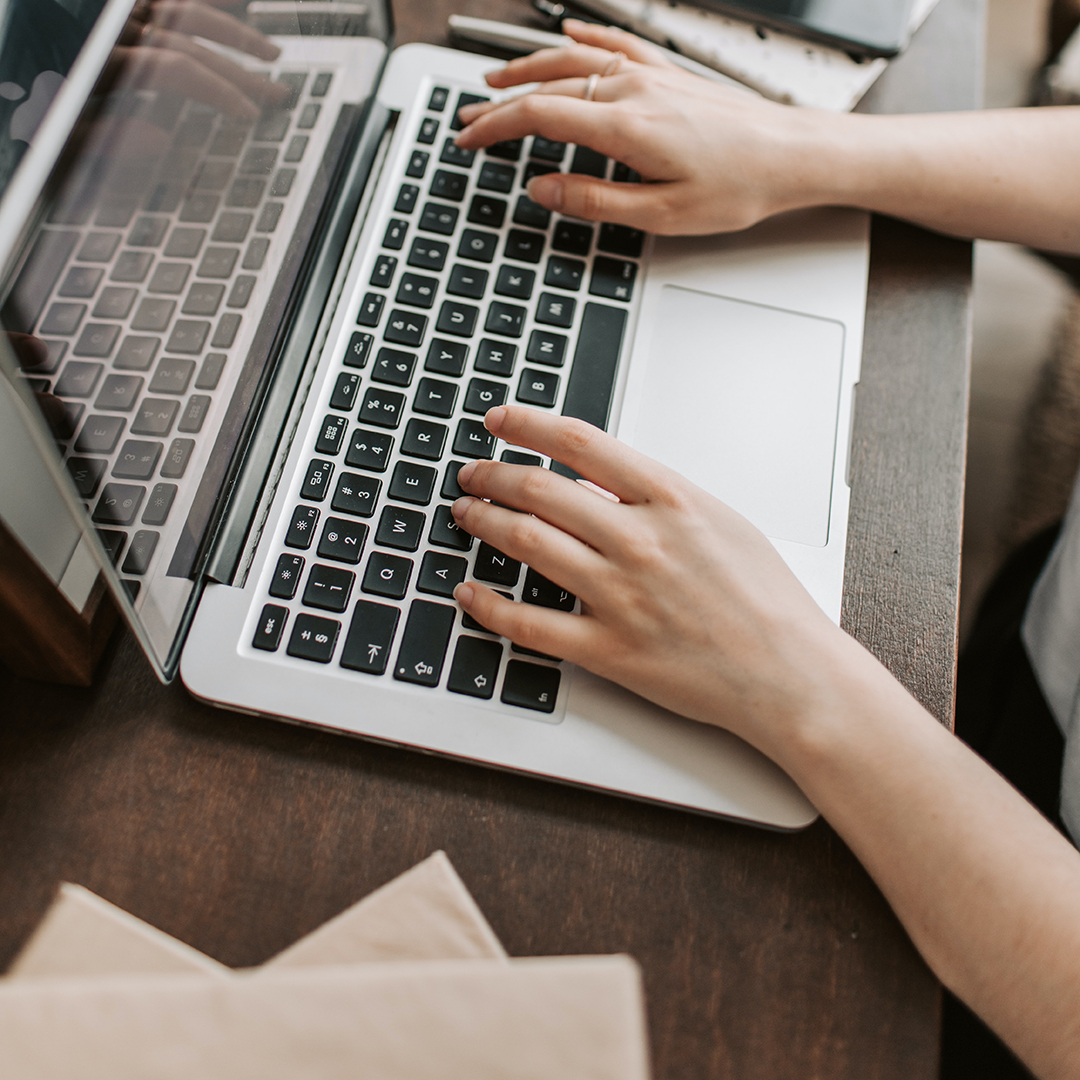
475	297
142	294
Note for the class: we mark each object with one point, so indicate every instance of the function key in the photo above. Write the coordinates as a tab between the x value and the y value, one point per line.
556	310
383	273
429	128
369	450
531	686
467	281
448	185
159	504
572	237
486	210
564	273
524	246
302	527
412	483
548	150
474	440
538	387
342	540
143	545
400	528
513	281
475	667
345	389
508	319
546	348
495	567
477	245
371	633
452	154
438	99
588	162
321	86
313	638
417	290
508	149
463	100
423	439
317	480
423	644
295	151
428	254
440	219
328	587
382	408
270	627
404	328
495	357
613	278
538	590
531	214
496	177
406	199
394	237
332	434
359	350
286	577
440	573
435	398
394	367
387	575
446	357
621	240
457	319
371	309
418	163
356	494
483	395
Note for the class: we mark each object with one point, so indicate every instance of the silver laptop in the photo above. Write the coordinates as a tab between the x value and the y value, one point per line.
264	346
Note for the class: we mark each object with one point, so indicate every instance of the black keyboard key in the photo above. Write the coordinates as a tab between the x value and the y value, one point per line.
451	489
255	255
176	460
486	210
100	434
538	387
412	483
87	474
524	246
63	421
259	160
475	667
462	101
119	503
508	319
429	128
474	440
356	494
423	643
321	86
508	149
230	139
437	101
530	214
564	273
159	504
496	357
114	543
538	590
496	177
270	627
417	290
185	243
371	634
440	574
168	277
271	126
457	319
394	367
405	328
293	81
418	163
137	353
137	460
328	587
98	246
383	274
359	349
97	339
452	154
424	439
572	237
588	162
446	532
394	237
596	361
478	246
78	379
371	309
515	282
188	335
400	528
286	577
383	408
469	623
81	281
203	298
546	348
428	254
406	199
534	169
332	434
143	545
345	391
467	281
313	638
302	527
154	416
483	395
446	357
621	240
271	212
246	192
495	567
172	376
130	266
623	174
342	540
613	278
439	218
317	480
531	686
448	185
148	232
369	450
556	310
118	392
548	150
516	457
387	575
309	116
435	398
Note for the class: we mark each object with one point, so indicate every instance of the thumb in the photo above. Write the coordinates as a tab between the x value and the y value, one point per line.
643	206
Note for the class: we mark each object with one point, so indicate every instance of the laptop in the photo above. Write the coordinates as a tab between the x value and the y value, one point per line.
256	349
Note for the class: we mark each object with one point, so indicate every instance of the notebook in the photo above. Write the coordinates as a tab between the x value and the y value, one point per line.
268	345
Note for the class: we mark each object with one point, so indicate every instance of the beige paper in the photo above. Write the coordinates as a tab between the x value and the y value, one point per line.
544	1019
424	914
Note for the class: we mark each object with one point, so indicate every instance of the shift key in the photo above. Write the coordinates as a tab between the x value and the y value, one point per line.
423	645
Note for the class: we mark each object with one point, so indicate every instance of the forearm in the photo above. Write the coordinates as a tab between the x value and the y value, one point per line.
1002	175
988	890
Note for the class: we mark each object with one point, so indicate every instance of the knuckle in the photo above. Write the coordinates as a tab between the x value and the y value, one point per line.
576	436
593	199
523	534
535	483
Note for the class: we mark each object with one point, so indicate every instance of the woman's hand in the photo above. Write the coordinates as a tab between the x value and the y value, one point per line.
683	600
714	159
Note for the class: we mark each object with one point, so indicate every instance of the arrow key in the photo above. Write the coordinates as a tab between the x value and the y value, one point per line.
475	667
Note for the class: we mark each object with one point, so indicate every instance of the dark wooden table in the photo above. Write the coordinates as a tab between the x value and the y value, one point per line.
765	956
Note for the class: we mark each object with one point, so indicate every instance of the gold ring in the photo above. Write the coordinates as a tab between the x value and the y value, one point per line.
613	64
590	86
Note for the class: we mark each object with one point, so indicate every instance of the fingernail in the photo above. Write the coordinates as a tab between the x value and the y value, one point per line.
493	420
465	472
464	594
546	192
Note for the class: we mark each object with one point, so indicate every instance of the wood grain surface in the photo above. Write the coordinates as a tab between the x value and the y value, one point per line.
766	956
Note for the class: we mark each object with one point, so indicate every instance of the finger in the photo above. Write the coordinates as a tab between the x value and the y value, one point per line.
195	17
641	206
572	61
30	351
559	501
167	69
554	633
530	540
599	457
615	40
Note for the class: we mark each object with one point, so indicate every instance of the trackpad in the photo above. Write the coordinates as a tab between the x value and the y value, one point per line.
743	399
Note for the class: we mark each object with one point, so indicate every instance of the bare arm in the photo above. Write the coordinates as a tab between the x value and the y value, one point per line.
717	159
687	604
